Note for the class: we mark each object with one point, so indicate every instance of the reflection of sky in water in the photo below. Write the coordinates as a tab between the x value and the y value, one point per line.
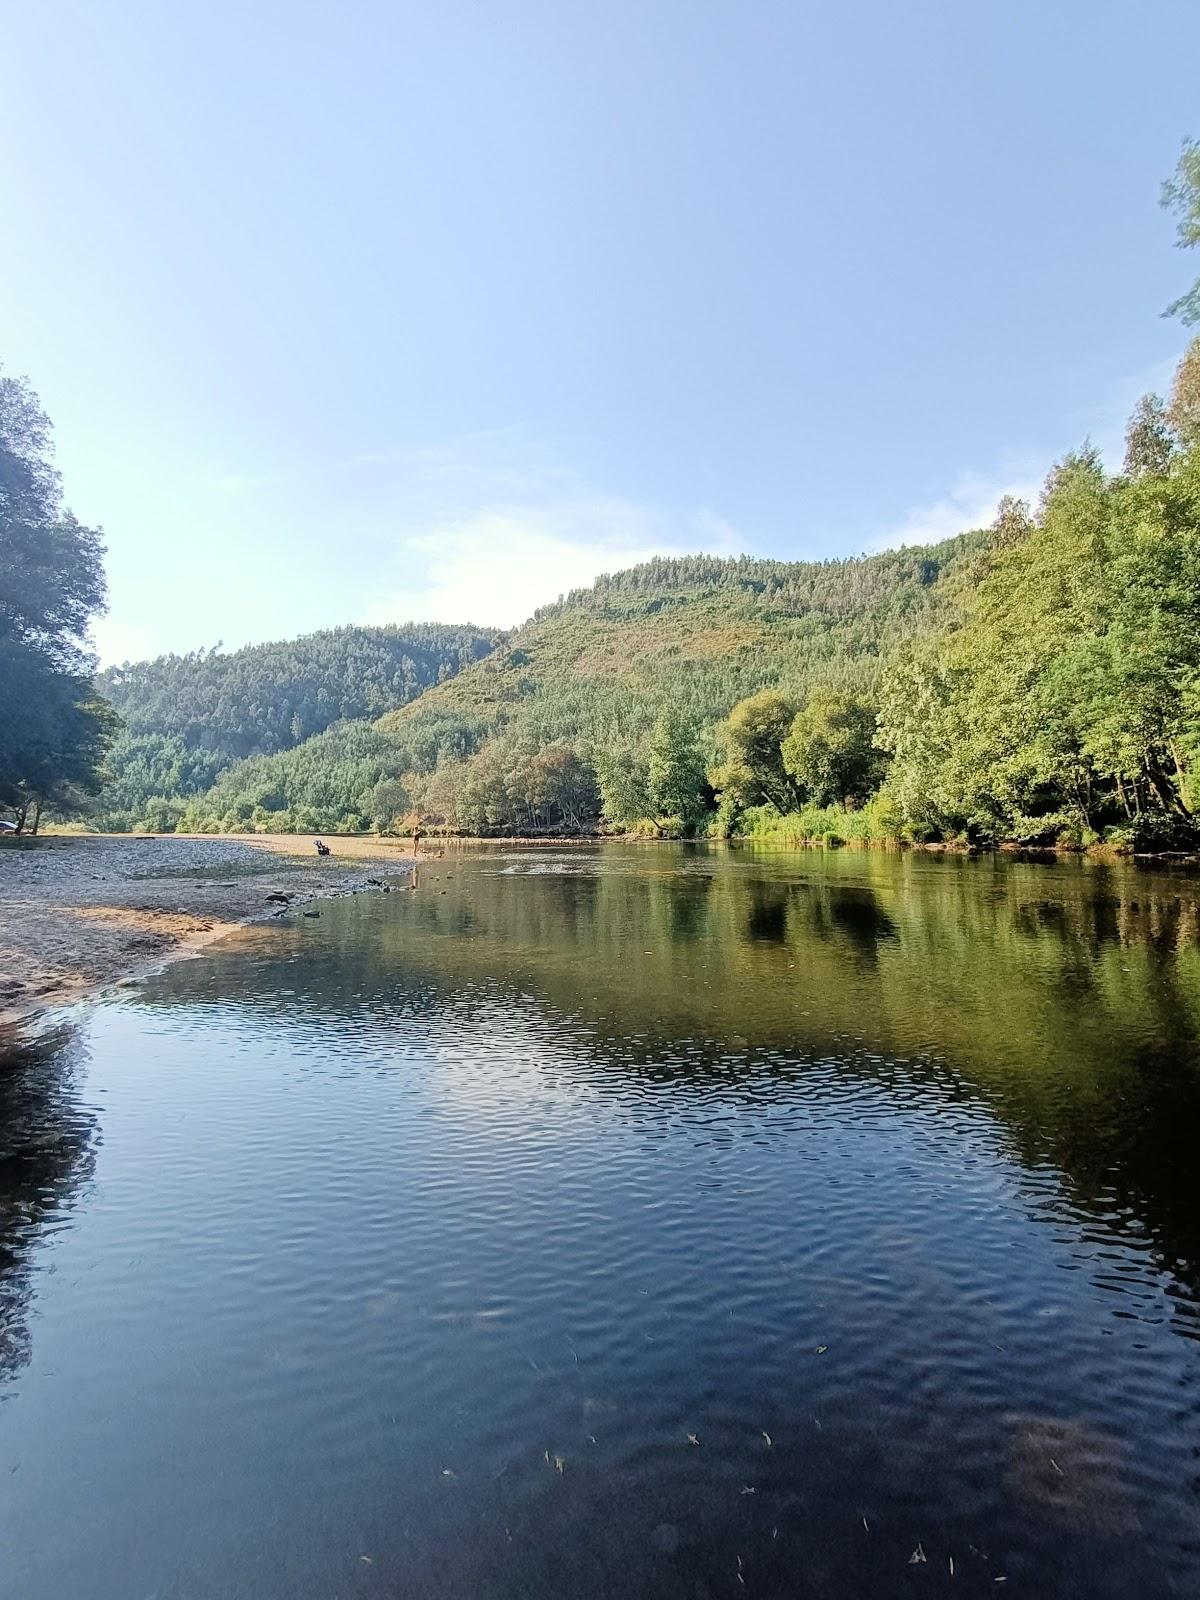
428	1231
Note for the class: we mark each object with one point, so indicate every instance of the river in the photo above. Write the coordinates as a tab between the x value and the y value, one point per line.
664	1221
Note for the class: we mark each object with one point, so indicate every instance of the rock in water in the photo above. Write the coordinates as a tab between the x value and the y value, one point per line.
665	1538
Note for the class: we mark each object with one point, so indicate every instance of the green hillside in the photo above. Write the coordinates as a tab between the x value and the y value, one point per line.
186	718
584	683
694	635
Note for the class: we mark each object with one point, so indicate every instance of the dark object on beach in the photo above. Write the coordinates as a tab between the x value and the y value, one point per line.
279	899
322	848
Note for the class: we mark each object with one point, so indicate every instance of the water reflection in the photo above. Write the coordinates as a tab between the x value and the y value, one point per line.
47	1140
436	1229
1066	999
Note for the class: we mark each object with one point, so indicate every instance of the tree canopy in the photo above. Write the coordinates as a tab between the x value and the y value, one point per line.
53	730
1181	194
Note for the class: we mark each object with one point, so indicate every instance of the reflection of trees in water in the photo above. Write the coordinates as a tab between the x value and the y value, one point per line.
47	1142
966	960
687	896
1065	1000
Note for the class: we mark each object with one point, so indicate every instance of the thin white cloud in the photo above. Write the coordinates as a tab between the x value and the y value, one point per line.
490	526
496	566
454	473
972	498
235	484
970	502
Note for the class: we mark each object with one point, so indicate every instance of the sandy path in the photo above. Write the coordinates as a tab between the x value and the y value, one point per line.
82	911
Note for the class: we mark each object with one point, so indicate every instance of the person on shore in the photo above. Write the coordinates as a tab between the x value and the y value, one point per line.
416	838
322	848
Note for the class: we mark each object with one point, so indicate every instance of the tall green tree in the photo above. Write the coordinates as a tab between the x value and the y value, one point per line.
623	784
1183	413
830	749
1149	444
29	483
753	771
678	785
1181	194
53	729
1061	693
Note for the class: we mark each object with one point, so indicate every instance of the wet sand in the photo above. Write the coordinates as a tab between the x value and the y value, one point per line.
81	912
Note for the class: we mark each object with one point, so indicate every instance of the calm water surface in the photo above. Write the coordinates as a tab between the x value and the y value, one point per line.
621	1222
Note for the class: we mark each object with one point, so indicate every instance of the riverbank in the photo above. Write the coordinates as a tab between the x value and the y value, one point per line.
80	912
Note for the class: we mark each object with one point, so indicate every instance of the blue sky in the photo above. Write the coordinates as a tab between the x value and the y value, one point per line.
379	310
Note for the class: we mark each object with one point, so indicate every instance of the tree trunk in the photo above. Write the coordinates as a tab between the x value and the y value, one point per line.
37	817
1180	776
1163	792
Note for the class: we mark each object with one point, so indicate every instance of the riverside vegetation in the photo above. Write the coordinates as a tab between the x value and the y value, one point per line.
1035	681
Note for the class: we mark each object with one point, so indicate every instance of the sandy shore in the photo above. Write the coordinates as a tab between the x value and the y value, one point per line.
79	912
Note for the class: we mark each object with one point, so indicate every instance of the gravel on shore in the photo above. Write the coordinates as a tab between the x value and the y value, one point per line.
79	912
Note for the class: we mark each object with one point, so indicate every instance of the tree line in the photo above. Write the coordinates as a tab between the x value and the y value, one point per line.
1037	681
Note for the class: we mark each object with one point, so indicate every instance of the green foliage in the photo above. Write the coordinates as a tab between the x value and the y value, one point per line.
1058	697
752	771
678	789
829	751
29	483
1183	414
150	767
1149	443
188	718
1181	194
1036	681
327	783
512	786
596	675
53	731
273	696
878	822
390	802
624	785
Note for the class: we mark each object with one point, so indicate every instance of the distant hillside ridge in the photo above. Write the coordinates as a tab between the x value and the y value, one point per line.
696	634
271	696
566	706
186	718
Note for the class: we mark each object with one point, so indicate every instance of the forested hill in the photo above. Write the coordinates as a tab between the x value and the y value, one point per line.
573	698
185	718
271	696
694	634
837	586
